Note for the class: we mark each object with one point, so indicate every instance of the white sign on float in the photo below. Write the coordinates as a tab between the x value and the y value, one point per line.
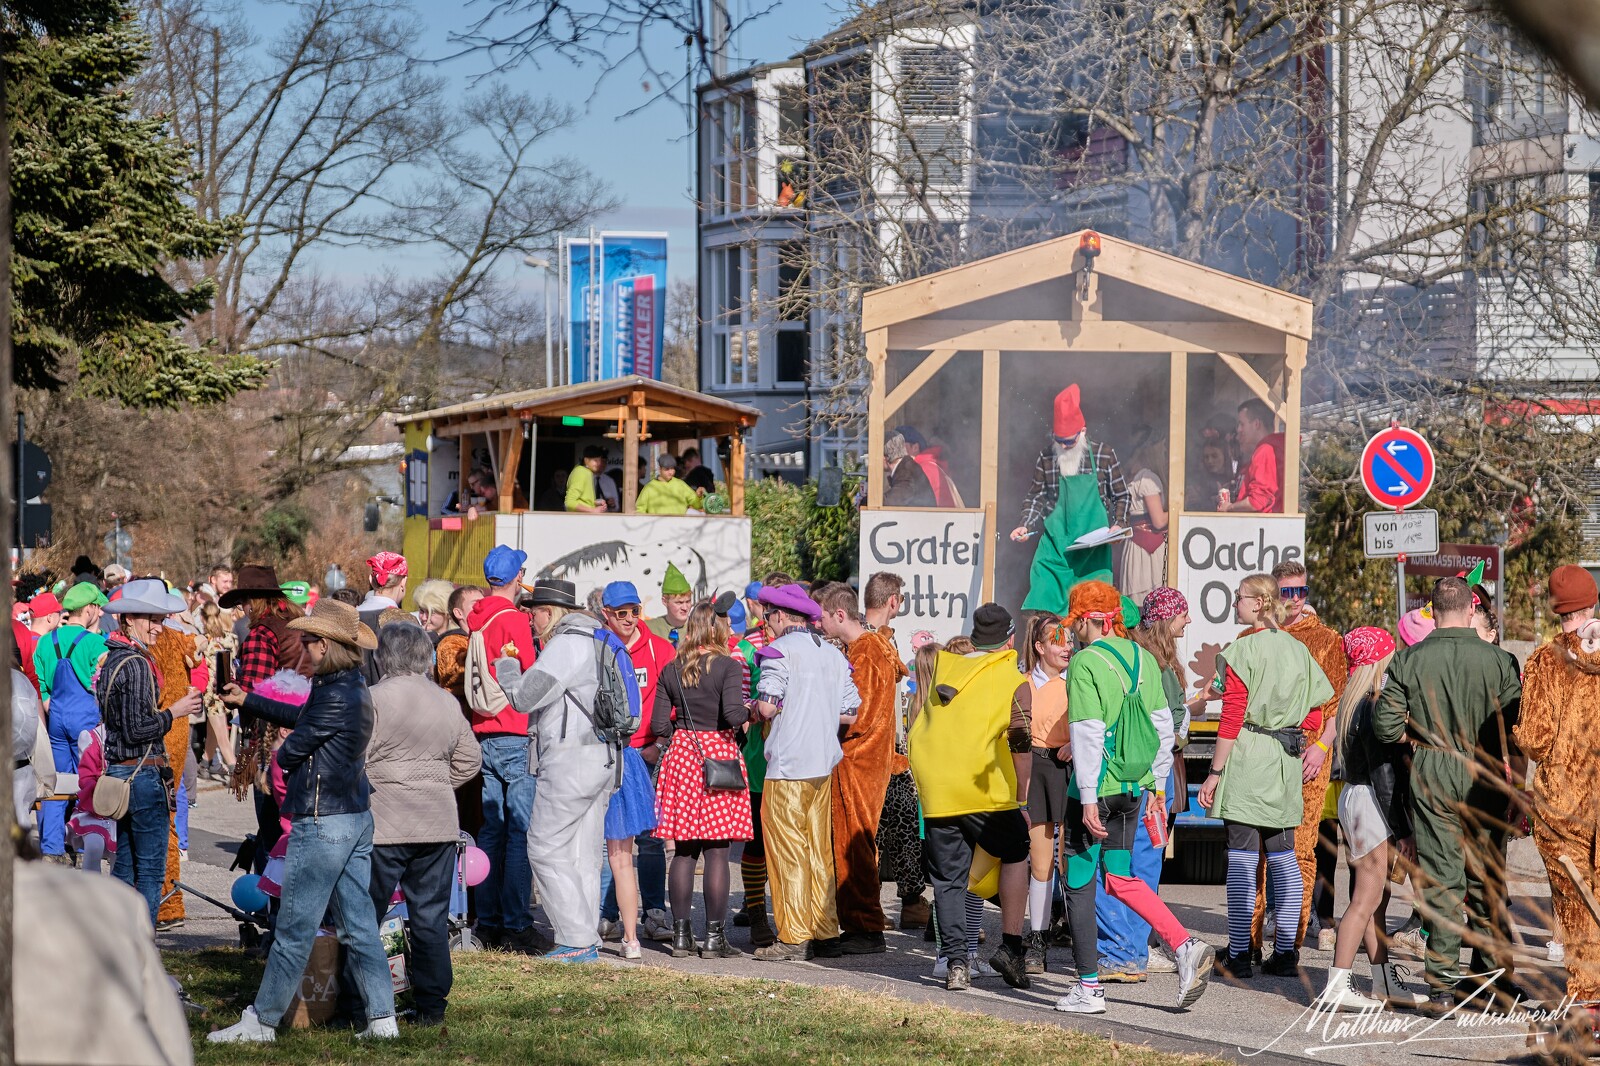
939	554
1216	552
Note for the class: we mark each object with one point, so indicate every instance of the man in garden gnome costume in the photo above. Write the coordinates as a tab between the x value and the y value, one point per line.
1077	489
676	599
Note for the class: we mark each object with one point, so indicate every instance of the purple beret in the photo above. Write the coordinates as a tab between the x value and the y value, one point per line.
792	598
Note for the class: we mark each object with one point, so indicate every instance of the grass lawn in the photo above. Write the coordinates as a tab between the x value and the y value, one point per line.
506	1008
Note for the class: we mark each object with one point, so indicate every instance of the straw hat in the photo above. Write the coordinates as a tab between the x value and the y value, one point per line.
337	621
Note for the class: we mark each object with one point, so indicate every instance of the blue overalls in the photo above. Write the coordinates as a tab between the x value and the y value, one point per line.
72	711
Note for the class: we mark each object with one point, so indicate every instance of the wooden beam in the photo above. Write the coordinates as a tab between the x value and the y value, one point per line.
919	376
1177	456
989	463
1214	289
630	460
878	360
974	281
464	462
487	425
1253	381
736	474
1058	335
510	460
1293	366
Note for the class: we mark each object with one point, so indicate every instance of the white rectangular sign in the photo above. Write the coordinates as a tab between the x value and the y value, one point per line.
1216	552
939	555
1387	534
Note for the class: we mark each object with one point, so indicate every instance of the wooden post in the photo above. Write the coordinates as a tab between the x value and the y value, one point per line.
878	362
510	460
630	459
1294	363
736	473
464	462
1177	457
989	465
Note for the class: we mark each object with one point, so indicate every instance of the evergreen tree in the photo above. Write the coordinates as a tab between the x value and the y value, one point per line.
97	213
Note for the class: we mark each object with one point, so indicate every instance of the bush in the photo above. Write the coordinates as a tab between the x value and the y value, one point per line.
830	538
777	512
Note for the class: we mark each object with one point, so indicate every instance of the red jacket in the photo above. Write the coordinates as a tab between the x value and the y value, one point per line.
507	632
931	465
650	655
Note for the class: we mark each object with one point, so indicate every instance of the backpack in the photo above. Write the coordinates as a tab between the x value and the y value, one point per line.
615	714
1132	742
484	695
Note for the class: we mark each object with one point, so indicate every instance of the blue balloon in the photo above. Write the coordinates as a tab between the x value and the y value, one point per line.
247	894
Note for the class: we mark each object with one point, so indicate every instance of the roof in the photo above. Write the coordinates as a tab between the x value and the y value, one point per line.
1138	283
886	17
600	399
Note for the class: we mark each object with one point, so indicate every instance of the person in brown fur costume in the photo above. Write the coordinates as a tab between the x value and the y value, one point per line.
861	780
175	653
1560	717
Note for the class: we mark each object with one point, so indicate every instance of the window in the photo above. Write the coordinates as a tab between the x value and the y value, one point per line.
1593	230
931	144
734	168
792	341
1512	93
735	344
1511	220
840	129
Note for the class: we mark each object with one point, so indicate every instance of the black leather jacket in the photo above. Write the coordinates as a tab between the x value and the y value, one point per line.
1369	761
325	759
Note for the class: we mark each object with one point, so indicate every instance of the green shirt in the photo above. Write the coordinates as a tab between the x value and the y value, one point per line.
666	497
1445	692
1096	684
755	741
85	656
580	488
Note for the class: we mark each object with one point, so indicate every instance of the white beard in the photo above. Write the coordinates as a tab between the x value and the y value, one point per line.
1069	460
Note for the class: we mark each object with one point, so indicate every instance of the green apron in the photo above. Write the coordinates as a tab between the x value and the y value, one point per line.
1056	570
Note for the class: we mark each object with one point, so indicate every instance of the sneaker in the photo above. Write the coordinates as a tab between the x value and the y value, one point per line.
249	1029
610	930
1282	964
863	944
1083	1001
778	951
656	925
1121	973
979	968
562	953
1237	967
829	948
1555	951
1011	965
489	936
183	854
1195	961
168	924
380	1029
630	949
1161	960
957	978
527	941
1327	939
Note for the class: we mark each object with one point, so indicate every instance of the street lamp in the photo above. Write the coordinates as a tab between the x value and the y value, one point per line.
543	265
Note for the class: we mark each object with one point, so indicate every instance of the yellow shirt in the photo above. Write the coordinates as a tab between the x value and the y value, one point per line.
666	497
580	488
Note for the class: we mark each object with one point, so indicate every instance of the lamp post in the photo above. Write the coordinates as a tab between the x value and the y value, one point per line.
543	266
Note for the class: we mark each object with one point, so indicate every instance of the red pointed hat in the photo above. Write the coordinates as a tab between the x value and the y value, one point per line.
1068	415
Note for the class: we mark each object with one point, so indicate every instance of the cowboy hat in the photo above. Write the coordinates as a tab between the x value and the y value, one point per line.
255	583
340	622
147	595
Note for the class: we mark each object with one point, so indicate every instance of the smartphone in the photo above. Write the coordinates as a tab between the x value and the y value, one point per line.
223	670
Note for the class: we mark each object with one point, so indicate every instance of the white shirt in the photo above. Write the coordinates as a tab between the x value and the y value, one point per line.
813	681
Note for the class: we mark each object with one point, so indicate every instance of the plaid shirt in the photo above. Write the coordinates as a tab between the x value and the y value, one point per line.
1047	485
259	659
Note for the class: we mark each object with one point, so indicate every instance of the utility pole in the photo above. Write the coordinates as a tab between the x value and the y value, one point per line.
8	515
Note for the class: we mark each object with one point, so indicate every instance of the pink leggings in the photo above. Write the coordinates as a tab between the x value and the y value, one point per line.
1139	898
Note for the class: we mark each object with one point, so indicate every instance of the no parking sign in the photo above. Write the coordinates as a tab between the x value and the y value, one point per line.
1397	468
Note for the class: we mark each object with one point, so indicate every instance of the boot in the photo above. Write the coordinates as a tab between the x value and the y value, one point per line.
682	939
915	913
717	946
1035	948
1339	994
1387	986
761	934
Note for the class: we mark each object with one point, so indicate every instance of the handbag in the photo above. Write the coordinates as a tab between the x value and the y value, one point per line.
721	775
114	795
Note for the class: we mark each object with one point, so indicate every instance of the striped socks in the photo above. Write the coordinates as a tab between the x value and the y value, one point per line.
1242	898
753	874
1287	888
974	922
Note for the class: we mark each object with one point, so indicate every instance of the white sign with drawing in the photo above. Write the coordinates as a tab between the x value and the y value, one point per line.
939	554
1216	552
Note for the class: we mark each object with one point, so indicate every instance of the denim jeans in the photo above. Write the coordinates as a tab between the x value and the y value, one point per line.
329	861
1124	936
652	864
504	897
142	833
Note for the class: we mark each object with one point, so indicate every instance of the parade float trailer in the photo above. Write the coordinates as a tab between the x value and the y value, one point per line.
529	441
1164	351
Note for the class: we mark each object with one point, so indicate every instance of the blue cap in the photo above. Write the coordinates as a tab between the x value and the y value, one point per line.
736	618
503	565
620	594
752	590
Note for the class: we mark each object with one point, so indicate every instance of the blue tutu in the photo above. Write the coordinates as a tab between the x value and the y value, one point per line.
633	806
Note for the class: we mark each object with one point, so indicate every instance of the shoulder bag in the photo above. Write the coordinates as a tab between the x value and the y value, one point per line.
114	795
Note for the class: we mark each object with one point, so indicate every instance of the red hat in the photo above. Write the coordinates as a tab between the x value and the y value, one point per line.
1366	646
386	565
18	609
1069	416
43	604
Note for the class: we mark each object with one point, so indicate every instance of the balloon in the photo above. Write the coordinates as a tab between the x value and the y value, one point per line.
474	866
247	894
984	877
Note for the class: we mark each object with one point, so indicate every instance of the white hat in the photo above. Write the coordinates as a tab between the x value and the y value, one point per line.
147	595
116	573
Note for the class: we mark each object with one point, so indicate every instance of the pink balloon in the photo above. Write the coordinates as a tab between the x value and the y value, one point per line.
474	866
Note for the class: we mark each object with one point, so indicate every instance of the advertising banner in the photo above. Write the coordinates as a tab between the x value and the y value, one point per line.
633	307
1216	552
582	306
940	556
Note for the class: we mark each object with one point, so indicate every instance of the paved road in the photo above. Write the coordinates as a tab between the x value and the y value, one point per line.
1259	1021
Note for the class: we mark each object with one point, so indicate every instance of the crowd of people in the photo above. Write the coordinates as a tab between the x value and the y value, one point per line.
1034	765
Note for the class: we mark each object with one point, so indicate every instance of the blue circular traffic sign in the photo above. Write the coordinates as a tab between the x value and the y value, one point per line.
1397	468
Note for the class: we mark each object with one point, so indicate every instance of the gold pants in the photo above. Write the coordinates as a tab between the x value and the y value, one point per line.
797	821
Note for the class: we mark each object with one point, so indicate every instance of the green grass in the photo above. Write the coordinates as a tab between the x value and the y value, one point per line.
505	1008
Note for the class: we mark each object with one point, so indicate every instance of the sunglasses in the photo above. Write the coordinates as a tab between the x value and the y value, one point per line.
624	612
1297	592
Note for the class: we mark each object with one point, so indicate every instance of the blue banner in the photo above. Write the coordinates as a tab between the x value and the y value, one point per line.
581	308
633	304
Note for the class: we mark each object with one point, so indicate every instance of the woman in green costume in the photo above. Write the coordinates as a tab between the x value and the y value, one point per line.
1272	691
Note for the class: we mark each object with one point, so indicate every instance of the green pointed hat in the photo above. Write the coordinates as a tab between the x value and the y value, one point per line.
674	584
1475	575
